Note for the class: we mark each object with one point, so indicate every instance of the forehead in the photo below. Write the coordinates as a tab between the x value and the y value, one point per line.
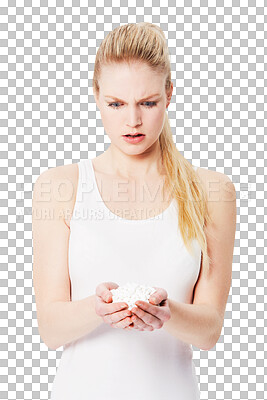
125	75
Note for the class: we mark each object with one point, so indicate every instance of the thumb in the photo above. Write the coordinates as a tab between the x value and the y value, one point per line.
103	290
154	300
155	297
107	296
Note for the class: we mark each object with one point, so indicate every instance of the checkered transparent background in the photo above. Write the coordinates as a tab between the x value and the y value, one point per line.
48	117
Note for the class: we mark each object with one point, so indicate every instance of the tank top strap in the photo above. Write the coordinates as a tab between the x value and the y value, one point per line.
85	171
85	200
85	182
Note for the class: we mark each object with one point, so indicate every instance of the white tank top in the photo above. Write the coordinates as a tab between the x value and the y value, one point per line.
116	364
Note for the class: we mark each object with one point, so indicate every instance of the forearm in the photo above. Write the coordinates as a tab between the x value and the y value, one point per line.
68	321
195	324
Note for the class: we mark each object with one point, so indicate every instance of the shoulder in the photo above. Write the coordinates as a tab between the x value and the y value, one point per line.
212	289
219	188
55	174
58	186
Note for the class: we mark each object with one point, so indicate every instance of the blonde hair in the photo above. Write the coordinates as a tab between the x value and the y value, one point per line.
146	42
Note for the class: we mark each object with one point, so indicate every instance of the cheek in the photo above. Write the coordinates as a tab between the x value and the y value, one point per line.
111	122
109	119
158	117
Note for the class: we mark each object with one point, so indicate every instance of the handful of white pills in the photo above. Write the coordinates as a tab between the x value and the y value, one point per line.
132	292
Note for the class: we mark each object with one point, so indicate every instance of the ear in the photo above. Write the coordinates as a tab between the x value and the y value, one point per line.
169	95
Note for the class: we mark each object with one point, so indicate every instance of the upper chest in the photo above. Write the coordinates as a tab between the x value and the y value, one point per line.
140	199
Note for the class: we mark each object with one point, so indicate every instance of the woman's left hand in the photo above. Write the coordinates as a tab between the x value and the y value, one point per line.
152	315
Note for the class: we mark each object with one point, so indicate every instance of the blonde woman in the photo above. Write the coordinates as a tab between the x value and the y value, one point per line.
138	212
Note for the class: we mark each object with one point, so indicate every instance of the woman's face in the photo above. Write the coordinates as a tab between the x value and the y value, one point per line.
132	99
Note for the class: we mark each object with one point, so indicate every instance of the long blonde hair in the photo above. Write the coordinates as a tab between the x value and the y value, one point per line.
146	42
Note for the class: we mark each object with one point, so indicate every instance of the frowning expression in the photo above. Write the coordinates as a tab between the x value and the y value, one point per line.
132	99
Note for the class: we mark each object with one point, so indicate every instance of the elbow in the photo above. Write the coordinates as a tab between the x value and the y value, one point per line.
47	343
210	347
213	339
46	340
50	345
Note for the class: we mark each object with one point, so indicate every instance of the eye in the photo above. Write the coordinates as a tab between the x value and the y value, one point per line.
111	105
151	104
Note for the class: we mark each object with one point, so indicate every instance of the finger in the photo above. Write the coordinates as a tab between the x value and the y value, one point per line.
106	309
148	318
123	324
103	290
154	296
148	307
159	314
158	296
133	326
117	317
140	325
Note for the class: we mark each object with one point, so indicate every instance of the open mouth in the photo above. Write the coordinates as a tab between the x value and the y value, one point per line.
138	134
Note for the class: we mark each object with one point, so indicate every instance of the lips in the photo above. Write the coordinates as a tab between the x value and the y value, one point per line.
137	138
134	134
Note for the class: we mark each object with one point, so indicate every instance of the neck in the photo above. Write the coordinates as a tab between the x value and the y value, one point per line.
135	166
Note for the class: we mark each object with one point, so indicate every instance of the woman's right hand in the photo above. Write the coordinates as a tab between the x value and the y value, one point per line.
116	315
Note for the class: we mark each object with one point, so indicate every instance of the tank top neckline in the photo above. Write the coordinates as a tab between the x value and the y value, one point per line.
117	217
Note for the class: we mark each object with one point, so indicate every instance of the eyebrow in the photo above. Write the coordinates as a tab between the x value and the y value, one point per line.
146	98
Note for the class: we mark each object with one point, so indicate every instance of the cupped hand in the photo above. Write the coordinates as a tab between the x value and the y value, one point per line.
152	315
115	314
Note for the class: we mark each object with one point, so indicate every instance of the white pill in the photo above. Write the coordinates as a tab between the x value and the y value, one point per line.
132	292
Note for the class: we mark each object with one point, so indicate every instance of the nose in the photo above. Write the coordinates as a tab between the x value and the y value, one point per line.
134	116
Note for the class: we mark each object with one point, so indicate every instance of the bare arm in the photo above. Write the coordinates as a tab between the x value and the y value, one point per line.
196	324
60	320
68	321
200	323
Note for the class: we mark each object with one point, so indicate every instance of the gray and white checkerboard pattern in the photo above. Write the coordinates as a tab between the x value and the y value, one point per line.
48	117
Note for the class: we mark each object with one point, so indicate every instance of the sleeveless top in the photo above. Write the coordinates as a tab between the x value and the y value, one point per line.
116	364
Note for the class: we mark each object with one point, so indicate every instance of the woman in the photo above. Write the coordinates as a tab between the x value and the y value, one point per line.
95	228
